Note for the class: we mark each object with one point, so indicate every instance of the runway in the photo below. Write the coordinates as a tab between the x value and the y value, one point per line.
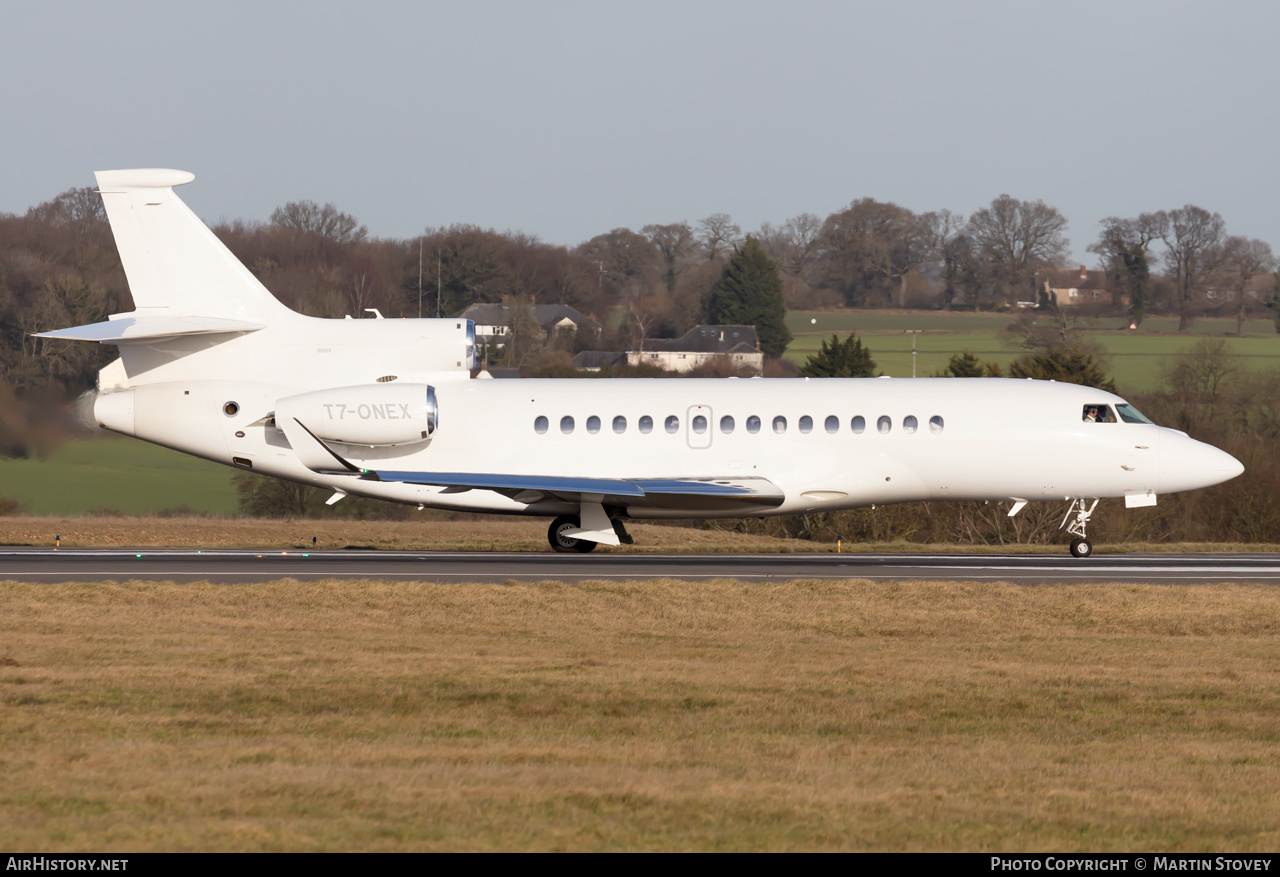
247	567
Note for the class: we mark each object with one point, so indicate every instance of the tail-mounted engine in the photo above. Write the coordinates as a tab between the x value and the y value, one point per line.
377	415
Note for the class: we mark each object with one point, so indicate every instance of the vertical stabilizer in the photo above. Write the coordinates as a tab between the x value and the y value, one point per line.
172	260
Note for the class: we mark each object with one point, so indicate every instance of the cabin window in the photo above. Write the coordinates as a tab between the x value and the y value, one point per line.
779	425
699	424
1129	414
909	424
935	424
753	424
858	425
806	424
646	424
832	424
619	424
726	425
540	425
672	423
593	424
884	425
1098	414
566	424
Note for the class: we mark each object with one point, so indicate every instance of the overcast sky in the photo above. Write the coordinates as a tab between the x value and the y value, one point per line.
565	120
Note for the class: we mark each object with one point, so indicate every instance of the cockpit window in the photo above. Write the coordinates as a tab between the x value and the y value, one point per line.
1129	414
1098	414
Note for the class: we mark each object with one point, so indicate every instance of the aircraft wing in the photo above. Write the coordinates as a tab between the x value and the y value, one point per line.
692	494
744	493
128	330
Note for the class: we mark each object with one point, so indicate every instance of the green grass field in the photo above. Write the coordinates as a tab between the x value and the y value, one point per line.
1134	359
124	474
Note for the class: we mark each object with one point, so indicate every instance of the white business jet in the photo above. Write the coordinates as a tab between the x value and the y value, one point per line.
211	364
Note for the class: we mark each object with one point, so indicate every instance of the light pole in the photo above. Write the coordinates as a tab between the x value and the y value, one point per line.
913	333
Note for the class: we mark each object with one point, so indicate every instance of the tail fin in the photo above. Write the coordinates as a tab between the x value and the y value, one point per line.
171	258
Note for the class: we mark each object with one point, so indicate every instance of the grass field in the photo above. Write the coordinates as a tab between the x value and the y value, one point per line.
120	473
639	716
1134	358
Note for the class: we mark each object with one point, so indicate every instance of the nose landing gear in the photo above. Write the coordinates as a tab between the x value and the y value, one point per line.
1081	509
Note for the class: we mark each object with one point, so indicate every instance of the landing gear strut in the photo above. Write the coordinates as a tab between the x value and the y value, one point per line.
1080	546
567	544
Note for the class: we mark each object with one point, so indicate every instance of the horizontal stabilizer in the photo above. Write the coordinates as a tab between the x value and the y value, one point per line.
131	329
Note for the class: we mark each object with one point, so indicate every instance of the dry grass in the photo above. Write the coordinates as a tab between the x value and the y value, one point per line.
654	715
483	534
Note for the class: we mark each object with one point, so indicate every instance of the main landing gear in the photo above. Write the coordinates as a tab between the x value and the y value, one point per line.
1080	546
560	540
567	544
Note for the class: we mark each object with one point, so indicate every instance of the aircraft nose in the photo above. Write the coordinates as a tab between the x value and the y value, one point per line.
1186	464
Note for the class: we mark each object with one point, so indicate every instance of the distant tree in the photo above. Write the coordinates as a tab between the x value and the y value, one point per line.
1068	365
946	245
1275	302
1015	239
966	365
674	241
867	251
308	217
1193	238
793	245
840	359
750	294
1122	245
718	234
1245	258
625	263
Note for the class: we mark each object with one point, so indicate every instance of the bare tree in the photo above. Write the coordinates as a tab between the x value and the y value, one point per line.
674	241
945	244
868	249
792	245
1245	258
628	264
1016	238
308	217
718	234
1193	238
1122	246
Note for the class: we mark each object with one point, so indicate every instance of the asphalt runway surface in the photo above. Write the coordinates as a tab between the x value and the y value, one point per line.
247	567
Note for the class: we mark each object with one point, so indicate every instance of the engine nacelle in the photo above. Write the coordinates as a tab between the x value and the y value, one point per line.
373	414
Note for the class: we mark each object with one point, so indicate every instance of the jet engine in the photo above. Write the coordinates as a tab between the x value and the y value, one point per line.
374	415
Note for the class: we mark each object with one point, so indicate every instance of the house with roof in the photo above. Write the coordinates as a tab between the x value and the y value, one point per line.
739	346
1067	287
493	321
